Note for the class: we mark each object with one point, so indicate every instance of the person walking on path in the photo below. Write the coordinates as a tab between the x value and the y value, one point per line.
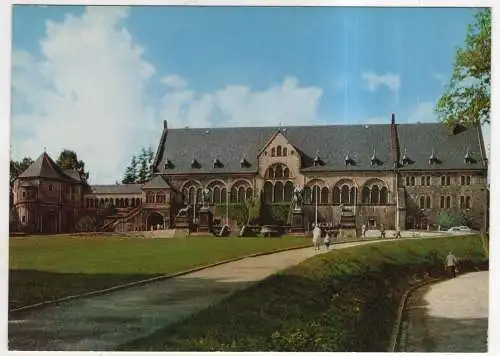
398	233
363	231
382	231
327	241
450	264
317	237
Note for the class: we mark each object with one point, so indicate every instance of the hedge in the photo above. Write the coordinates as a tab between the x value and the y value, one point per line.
343	301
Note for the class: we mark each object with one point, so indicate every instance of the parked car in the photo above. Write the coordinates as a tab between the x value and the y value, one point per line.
461	230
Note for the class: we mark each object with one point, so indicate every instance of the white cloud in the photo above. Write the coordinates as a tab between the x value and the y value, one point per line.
174	81
88	93
423	112
372	81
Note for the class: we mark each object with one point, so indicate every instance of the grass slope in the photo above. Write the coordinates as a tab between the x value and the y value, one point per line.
47	268
341	301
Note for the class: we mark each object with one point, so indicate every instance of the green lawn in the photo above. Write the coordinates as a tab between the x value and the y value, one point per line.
343	301
51	267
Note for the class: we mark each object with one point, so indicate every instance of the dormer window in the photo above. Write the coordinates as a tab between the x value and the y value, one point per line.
168	164
284	152
278	151
468	158
273	152
373	159
405	160
244	163
348	160
194	163
217	163
433	159
317	160
51	187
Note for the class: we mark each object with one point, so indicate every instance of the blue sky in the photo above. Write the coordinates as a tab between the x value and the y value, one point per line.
113	74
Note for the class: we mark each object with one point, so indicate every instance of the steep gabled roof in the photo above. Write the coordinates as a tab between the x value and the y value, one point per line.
44	167
73	174
333	142
156	183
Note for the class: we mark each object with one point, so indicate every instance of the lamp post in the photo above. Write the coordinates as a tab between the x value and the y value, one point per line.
316	211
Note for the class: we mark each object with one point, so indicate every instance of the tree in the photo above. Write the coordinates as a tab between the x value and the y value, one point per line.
69	160
145	160
131	172
18	167
448	219
466	99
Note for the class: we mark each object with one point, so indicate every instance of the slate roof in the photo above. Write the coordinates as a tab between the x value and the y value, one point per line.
116	189
331	142
44	167
158	182
73	174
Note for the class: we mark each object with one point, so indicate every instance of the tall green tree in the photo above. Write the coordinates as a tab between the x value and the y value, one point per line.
466	99
131	172
18	167
69	160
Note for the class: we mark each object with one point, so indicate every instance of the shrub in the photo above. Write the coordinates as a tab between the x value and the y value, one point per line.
452	218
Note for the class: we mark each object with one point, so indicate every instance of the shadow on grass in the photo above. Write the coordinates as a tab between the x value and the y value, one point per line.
103	322
27	287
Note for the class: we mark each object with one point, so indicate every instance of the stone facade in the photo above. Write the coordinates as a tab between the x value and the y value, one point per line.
376	183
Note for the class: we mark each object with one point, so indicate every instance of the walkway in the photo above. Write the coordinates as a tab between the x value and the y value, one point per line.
103	322
450	316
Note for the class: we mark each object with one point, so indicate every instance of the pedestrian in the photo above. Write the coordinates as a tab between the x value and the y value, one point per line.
450	265
382	231
398	233
327	241
363	231
316	237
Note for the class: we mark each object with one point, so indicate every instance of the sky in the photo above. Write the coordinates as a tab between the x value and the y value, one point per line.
101	80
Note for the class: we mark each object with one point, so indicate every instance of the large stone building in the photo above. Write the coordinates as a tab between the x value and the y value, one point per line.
393	174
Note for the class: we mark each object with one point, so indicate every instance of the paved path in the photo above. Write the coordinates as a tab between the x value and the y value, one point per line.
450	316
103	322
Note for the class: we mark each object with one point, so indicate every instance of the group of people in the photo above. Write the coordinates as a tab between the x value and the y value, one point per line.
318	239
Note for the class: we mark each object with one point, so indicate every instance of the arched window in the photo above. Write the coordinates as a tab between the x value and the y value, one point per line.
285	151
268	192
428	202
344	194
336	195
199	196
422	202
137	201
160	198
286	173
278	174
307	195
383	195
192	195
412	180
271	173
278	151
127	203
448	202
365	195
467	202
352	196
234	195
288	191
374	196
249	193
422	180
117	202
273	152
122	202
428	179
324	195
241	194
216	195
278	192
315	194
150	197
223	195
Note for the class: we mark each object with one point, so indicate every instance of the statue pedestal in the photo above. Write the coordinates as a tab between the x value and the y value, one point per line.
298	222
206	220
